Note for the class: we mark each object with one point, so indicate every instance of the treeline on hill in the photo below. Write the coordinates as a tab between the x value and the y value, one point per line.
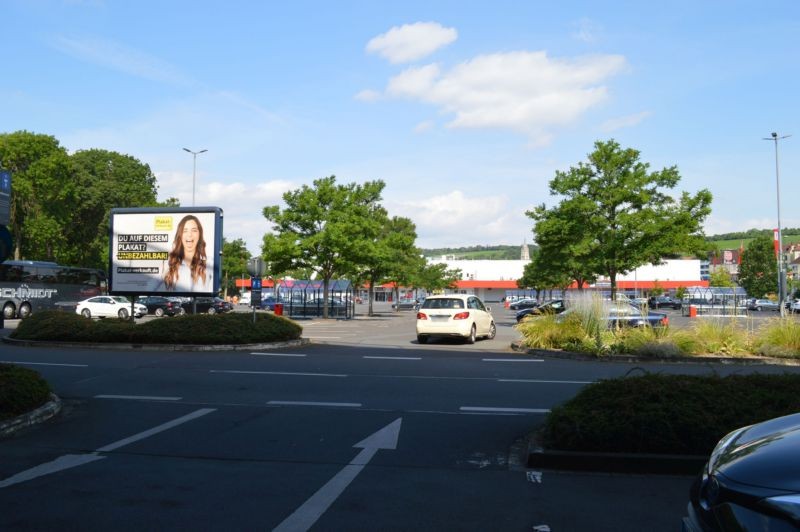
500	252
751	233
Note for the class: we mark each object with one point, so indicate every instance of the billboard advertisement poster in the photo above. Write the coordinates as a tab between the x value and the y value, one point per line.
168	251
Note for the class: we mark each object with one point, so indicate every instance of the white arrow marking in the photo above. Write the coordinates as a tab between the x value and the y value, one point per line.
304	517
534	476
542	528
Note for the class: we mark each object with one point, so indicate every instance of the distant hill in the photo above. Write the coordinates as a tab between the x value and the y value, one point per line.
722	241
478	252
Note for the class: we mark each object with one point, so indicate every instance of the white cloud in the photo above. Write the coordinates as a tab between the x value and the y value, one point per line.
455	219
424	126
116	56
410	42
527	92
368	95
624	121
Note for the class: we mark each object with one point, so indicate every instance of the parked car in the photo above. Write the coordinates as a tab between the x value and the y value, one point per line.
210	305
763	304
405	303
556	306
751	480
623	314
268	302
159	306
245	298
523	304
664	302
795	306
109	307
454	315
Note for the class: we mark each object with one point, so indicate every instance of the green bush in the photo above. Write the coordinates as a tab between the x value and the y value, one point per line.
779	338
196	329
672	414
21	390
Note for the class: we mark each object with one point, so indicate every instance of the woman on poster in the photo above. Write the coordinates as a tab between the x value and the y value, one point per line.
186	269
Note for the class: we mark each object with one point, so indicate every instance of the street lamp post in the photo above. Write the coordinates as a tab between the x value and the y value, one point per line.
781	274
194	167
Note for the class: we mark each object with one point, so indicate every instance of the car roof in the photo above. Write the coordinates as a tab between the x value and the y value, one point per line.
450	296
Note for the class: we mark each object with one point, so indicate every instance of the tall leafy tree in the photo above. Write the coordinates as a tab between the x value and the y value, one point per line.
626	219
721	277
234	263
105	179
758	271
324	227
435	277
43	193
541	274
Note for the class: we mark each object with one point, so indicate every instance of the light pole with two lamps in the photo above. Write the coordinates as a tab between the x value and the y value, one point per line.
194	168
781	274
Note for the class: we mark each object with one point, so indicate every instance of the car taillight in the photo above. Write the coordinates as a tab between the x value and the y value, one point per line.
422	316
461	316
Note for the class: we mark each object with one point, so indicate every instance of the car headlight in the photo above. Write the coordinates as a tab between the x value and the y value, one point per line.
786	505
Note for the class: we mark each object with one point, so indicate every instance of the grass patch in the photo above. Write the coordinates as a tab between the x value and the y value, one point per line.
21	390
672	414
193	329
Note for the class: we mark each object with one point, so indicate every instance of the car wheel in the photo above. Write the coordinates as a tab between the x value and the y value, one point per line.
86	313
473	334
9	311
24	311
212	310
758	309
422	339
159	312
123	314
182	311
492	331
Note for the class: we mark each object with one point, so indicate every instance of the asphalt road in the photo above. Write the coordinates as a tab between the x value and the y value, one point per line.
361	430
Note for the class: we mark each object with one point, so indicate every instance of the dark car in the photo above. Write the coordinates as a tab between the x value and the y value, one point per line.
405	303
555	306
268	303
160	306
209	305
664	302
751	481
523	304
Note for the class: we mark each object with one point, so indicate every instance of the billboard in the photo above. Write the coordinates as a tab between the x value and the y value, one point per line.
165	250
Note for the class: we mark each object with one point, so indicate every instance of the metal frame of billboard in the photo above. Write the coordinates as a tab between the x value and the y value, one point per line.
140	241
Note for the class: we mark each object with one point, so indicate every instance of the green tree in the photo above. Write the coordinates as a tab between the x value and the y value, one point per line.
721	277
324	228
105	179
758	271
542	274
43	193
234	263
436	277
626	220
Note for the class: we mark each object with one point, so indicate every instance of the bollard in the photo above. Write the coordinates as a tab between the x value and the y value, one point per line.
692	311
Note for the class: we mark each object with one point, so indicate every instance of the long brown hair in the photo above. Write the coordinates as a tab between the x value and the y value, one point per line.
198	265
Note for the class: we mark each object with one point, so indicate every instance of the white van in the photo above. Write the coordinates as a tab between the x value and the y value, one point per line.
244	299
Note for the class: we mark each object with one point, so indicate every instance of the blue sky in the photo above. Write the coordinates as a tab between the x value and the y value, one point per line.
464	109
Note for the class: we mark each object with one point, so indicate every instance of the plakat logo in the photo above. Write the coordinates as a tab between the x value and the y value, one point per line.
162	223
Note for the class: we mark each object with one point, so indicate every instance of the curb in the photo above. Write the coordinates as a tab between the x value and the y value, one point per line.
606	462
699	359
156	347
40	415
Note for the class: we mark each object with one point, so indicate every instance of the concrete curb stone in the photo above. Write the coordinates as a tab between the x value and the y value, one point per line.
157	347
40	415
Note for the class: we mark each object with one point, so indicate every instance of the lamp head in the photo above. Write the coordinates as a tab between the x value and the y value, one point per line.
774	135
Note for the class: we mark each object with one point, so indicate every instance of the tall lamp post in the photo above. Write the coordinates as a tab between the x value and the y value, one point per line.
781	274
194	167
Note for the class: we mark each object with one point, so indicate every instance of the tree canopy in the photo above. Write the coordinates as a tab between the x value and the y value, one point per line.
758	271
615	214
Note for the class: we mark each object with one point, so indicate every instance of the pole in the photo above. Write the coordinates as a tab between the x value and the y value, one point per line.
194	175
781	275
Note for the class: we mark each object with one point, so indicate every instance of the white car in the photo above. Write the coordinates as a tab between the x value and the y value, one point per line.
459	315
109	307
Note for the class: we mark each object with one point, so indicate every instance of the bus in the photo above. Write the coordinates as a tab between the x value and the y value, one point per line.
27	286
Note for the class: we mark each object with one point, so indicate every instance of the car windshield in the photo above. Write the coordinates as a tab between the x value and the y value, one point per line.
443	303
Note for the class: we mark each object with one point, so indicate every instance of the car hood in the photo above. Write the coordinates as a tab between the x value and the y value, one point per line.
766	454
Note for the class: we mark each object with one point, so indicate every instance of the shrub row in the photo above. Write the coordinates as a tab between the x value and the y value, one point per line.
21	390
196	329
671	414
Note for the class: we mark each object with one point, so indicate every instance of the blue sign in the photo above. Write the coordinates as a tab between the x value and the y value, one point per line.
5	197
255	283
